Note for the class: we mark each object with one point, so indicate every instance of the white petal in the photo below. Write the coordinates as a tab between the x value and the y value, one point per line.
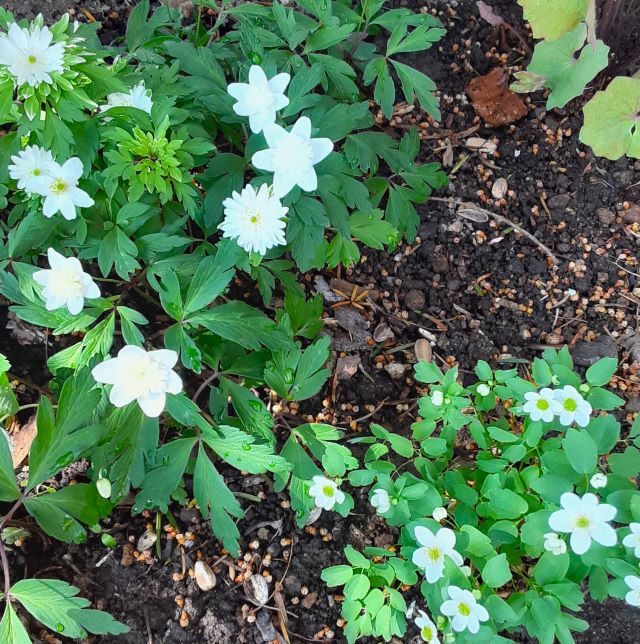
153	404
75	305
321	148
107	372
580	541
257	75
605	535
279	83
302	128
263	160
72	170
273	133
120	396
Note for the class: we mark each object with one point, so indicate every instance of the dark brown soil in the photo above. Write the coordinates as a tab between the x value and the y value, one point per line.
493	295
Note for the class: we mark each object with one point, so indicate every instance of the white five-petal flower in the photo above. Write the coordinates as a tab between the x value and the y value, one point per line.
145	376
434	548
29	55
428	630
574	407
633	596
598	480
541	405
60	190
380	500
138	96
632	540
325	493
65	284
585	519
260	98
463	610
553	543
254	219
30	166
291	156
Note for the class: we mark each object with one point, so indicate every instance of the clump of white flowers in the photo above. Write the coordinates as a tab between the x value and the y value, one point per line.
430	556
325	493
65	284
254	219
138	96
586	520
463	610
553	543
566	404
260	98
144	376
29	166
30	56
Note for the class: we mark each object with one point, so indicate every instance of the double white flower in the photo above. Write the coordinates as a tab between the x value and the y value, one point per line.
29	55
260	98
553	543
65	284
325	493
585	519
463	610
144	376
254	219
434	548
138	96
291	156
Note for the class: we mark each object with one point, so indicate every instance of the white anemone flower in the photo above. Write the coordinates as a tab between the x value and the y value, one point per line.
29	55
633	596
598	480
65	284
380	500
144	376
574	407
553	543
463	610
541	405
260	98
428	630
434	548
325	493
138	96
632	540
30	166
585	519
60	190
254	219
291	156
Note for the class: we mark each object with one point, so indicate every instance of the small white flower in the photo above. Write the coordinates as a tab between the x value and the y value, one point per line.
325	493
380	501
65	284
260	98
428	630
484	389
553	543
598	480
463	610
633	596
254	219
30	166
145	376
434	548
574	407
586	519
541	405
437	398
29	55
60	190
138	96
632	540
291	156
439	514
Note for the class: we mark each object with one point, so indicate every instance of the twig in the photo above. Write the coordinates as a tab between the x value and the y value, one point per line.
203	386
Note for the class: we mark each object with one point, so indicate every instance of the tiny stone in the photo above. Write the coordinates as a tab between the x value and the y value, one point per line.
395	370
414	299
605	216
559	201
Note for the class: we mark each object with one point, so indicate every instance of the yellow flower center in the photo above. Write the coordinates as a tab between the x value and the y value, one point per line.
582	522
327	490
32	59
36	172
464	610
542	404
570	404
434	553
427	633
58	186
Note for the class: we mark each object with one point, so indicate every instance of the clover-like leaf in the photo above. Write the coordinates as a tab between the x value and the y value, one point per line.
551	19
566	71
612	120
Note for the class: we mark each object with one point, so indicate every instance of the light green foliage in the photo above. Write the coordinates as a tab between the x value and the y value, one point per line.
612	120
551	19
566	64
498	497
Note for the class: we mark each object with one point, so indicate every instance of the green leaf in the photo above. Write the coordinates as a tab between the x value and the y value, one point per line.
8	402
551	568
9	490
336	575
565	72
326	37
416	85
506	504
217	503
581	451
11	629
626	463
551	19
496	571
357	587
600	373
611	125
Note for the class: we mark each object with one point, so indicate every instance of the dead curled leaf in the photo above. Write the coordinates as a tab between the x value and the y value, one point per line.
21	441
493	100
487	13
